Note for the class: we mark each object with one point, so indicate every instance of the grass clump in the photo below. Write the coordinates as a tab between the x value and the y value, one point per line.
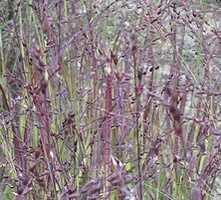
109	100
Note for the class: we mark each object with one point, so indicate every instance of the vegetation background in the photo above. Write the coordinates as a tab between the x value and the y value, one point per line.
110	99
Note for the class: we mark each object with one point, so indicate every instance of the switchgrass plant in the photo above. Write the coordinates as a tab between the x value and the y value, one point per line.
109	99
